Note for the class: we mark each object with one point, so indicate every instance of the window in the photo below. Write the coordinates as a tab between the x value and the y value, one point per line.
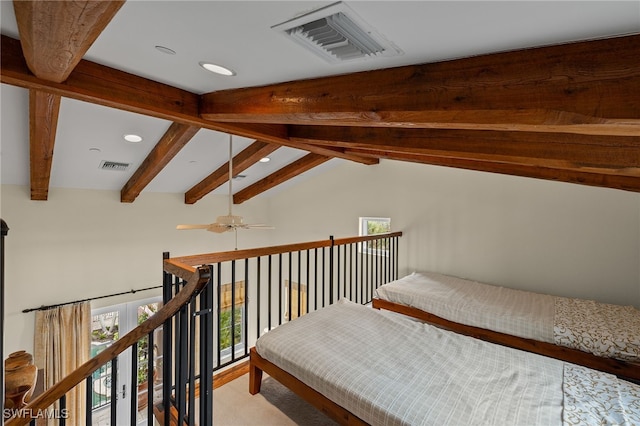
224	333
373	226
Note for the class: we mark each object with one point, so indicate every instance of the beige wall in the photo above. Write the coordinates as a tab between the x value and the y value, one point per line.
83	243
537	235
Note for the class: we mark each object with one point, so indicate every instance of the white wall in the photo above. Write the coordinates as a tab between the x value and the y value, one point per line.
552	237
531	234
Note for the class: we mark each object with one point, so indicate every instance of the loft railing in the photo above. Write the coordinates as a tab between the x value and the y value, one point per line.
216	305
41	406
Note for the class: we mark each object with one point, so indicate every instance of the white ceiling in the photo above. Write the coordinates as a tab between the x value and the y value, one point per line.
238	34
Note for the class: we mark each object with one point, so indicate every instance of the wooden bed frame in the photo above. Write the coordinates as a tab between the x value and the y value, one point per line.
257	365
623	369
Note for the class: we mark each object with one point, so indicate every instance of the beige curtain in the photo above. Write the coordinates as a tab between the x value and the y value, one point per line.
62	344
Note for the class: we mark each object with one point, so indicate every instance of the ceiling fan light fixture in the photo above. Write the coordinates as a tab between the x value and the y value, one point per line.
217	69
230	220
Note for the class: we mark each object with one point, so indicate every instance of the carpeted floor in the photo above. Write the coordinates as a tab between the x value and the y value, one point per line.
275	405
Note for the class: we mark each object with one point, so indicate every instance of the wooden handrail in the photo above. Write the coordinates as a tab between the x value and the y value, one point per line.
195	284
186	263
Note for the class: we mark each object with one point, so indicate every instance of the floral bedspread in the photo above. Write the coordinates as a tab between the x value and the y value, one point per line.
606	330
596	398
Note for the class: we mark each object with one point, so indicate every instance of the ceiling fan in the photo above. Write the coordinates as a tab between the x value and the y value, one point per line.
229	222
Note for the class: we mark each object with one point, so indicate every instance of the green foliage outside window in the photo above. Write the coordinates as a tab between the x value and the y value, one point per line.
377	227
225	327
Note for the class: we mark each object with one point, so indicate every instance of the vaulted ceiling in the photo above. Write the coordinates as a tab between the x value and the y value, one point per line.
568	112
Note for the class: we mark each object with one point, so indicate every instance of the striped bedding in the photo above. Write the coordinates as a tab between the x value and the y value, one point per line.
604	330
390	370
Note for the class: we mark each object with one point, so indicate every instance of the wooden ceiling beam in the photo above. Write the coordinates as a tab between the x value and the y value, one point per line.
245	159
590	87
44	109
55	35
290	171
630	181
175	138
604	152
102	85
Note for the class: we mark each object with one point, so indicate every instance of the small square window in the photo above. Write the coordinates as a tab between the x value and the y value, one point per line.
373	226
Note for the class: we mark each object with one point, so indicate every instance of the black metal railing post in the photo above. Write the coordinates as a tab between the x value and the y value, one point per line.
167	339
206	352
151	373
114	390
133	392
4	230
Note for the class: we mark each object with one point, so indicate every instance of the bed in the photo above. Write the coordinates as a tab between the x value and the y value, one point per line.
597	335
365	366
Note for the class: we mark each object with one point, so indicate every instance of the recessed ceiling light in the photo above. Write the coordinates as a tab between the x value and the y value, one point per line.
132	138
217	69
166	50
265	160
95	150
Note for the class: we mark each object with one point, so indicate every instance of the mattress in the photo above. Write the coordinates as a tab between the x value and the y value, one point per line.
602	329
389	370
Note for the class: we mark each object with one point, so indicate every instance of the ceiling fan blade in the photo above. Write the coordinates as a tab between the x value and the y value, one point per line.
259	226
192	226
218	228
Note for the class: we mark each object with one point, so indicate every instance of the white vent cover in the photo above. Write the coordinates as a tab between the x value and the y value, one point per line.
114	165
337	34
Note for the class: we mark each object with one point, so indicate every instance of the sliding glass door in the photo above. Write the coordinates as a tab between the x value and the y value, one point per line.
108	324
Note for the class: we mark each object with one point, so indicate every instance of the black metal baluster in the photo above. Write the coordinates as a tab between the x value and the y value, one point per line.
280	288
289	298
246	307
192	362
331	271
133	413
182	363
258	306
206	352
233	310
324	270
150	377
351	275
63	409
88	419
396	257
357	275
114	390
315	279
299	284
167	338
219	315
378	265
269	272
344	290
308	283
338	271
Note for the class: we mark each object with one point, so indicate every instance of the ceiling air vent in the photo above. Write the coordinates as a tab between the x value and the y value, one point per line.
337	34
114	165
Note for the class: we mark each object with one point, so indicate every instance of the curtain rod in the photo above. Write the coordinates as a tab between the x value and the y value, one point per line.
44	308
